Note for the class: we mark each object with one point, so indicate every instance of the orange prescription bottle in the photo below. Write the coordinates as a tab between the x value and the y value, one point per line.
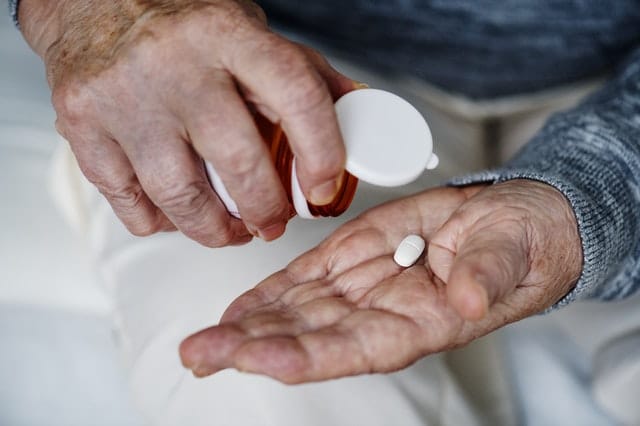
283	159
387	143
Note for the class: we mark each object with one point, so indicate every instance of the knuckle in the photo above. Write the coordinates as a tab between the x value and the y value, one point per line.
324	166
306	92
183	201
71	103
235	19
126	202
124	198
239	163
223	237
95	177
187	205
267	213
98	172
63	129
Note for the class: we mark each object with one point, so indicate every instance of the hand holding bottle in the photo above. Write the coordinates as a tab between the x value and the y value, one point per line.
144	89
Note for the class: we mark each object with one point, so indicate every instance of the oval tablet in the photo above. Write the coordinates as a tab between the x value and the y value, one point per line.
409	250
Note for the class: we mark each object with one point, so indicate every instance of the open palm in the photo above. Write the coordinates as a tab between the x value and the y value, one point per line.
347	308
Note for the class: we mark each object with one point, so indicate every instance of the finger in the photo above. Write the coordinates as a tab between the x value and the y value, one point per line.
283	288
299	309
321	310
214	349
173	176
480	265
337	83
224	132
363	342
283	77
277	307
350	245
105	165
341	252
264	294
352	285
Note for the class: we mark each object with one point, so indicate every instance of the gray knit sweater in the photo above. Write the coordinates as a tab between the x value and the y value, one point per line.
491	48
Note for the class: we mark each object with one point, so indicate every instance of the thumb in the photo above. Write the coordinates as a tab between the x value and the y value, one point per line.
479	262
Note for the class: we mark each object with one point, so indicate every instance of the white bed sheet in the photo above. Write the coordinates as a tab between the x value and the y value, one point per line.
58	363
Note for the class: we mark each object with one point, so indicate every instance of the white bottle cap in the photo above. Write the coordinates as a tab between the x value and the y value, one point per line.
387	142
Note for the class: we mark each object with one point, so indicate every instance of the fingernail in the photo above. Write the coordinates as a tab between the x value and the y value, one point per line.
360	85
324	193
202	371
292	212
253	231
272	232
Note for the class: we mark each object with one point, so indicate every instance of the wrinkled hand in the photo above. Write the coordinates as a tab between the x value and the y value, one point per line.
496	254
144	88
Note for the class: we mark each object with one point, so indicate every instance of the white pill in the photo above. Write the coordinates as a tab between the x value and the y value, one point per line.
409	250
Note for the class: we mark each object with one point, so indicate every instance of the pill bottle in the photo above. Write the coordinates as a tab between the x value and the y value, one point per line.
387	142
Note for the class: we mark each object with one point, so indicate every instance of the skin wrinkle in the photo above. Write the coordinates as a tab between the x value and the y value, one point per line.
338	313
431	318
334	266
488	228
107	74
393	307
364	357
375	303
351	293
96	31
300	294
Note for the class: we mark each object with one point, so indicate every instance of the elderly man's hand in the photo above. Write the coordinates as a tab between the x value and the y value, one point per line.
144	88
496	254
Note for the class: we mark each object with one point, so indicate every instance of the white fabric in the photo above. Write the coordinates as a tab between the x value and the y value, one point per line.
617	377
58	364
36	245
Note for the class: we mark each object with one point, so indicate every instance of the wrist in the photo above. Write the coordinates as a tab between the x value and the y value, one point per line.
74	35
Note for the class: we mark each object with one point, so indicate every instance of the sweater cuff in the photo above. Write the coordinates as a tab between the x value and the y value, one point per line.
591	155
590	224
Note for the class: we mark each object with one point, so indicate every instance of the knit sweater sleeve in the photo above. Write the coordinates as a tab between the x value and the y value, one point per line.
13	10
592	155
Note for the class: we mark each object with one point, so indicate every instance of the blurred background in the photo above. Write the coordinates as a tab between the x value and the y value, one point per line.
58	363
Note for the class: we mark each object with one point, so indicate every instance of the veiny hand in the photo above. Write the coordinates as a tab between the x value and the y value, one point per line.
144	88
496	254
